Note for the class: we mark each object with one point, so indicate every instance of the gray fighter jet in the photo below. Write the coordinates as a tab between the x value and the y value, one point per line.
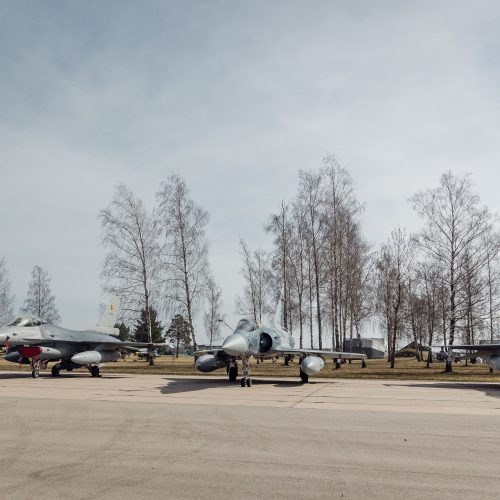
250	339
490	353
30	340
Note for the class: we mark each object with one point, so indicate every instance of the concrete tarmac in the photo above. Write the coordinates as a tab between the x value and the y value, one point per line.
126	436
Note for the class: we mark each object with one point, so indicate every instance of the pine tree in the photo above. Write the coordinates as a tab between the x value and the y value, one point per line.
141	327
124	335
179	332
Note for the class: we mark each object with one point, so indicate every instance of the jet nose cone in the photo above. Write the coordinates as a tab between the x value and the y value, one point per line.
235	345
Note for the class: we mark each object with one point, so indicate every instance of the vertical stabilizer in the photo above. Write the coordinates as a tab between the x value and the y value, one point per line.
108	318
279	316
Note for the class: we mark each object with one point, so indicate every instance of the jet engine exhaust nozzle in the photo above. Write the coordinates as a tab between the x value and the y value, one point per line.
235	345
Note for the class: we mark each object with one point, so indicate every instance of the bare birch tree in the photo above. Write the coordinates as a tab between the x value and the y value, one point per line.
213	315
454	222
256	275
394	267
185	248
491	243
6	298
311	195
430	279
279	227
130	270
340	213
298	264
39	299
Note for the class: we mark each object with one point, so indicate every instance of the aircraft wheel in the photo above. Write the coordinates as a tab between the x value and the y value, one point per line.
35	373
94	371
304	377
233	373
242	382
249	382
55	370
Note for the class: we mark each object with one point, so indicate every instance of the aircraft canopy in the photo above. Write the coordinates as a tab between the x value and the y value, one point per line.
27	321
246	325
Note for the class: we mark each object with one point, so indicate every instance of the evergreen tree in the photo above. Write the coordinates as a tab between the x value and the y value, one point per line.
39	299
141	328
179	332
124	335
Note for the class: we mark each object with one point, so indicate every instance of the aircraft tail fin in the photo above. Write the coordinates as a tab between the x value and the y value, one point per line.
279	316
107	321
108	317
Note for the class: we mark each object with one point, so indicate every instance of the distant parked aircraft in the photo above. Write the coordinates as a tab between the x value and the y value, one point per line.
490	353
250	339
31	340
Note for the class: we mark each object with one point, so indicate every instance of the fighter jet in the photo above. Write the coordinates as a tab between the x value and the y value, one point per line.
30	340
250	339
490	353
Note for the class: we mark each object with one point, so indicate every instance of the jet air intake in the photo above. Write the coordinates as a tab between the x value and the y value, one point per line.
41	352
265	342
95	357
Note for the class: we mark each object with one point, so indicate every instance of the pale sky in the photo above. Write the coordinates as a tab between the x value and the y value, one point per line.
236	97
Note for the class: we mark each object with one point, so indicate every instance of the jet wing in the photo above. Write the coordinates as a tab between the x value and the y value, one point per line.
476	347
112	344
316	352
326	354
208	351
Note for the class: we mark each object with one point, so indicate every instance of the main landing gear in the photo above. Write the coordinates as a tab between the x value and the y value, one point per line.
56	369
304	377
94	370
232	372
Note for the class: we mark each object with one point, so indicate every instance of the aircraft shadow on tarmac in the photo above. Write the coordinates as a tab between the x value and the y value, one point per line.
195	384
488	389
25	374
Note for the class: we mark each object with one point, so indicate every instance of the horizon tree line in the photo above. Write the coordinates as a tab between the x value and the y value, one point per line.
440	285
159	259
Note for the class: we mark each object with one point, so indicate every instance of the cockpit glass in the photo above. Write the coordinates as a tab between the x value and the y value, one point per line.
26	321
246	325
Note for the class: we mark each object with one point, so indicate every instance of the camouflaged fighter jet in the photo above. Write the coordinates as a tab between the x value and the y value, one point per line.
250	339
30	340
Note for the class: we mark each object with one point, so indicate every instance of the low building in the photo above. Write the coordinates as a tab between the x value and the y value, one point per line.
374	348
410	350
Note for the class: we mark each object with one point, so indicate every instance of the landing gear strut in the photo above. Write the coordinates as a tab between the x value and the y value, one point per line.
35	367
246	381
304	377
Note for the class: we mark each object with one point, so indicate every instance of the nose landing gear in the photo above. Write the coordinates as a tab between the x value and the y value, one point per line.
35	364
246	381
